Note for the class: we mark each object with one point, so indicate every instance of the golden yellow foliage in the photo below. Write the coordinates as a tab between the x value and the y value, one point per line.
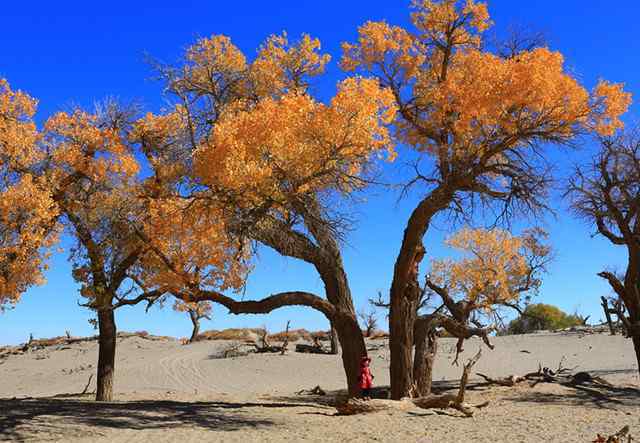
453	94
496	267
27	211
294	145
281	67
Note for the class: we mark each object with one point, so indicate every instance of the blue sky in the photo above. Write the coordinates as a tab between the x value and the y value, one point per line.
75	52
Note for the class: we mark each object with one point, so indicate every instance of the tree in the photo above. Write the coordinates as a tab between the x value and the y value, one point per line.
541	317
93	172
277	164
607	194
197	311
479	119
465	297
26	209
369	321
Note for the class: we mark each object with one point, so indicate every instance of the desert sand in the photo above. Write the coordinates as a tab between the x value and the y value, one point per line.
167	391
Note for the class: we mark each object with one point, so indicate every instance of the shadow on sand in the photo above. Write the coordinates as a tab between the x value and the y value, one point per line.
61	417
593	395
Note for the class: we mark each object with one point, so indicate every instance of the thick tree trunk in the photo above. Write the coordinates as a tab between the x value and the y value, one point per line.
426	349
196	326
402	316
106	355
353	348
402	312
334	340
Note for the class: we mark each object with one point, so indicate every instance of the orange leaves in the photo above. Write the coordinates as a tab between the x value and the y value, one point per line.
449	23
26	214
295	145
459	99
199	309
18	133
380	43
26	208
610	101
190	245
281	67
80	144
496	267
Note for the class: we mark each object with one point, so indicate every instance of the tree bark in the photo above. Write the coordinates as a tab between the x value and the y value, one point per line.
106	355
196	326
402	309
426	349
636	347
353	348
334	340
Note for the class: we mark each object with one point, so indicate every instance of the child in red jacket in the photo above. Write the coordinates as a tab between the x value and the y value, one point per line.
365	378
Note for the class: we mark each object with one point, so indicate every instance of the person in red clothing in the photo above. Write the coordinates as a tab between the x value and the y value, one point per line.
365	378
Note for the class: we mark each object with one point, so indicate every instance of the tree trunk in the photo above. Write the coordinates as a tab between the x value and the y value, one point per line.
402	316
106	355
636	347
426	349
353	348
402	312
334	340
196	326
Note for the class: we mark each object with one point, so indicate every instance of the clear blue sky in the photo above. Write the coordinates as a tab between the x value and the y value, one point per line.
76	52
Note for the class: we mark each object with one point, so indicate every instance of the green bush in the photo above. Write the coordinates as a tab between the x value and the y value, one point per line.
541	317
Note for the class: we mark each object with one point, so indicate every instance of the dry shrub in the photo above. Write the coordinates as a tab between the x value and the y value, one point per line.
142	334
293	335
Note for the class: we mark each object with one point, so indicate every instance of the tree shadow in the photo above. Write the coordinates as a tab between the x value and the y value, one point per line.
59	418
591	395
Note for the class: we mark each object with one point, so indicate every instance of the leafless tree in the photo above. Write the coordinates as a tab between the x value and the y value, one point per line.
606	193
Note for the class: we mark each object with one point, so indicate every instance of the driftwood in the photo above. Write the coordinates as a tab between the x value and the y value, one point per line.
265	347
561	375
311	349
314	391
442	401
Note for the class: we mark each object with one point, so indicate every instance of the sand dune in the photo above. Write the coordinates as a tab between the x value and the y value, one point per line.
170	392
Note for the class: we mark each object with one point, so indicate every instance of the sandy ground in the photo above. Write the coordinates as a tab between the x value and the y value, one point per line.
169	392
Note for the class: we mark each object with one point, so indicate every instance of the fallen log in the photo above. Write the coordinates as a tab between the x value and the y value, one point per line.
311	349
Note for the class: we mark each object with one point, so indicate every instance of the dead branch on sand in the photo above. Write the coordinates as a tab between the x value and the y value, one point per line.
618	437
313	391
84	391
560	375
265	347
441	401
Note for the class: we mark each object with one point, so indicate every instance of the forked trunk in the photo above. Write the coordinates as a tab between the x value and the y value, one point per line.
196	326
403	303
106	355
